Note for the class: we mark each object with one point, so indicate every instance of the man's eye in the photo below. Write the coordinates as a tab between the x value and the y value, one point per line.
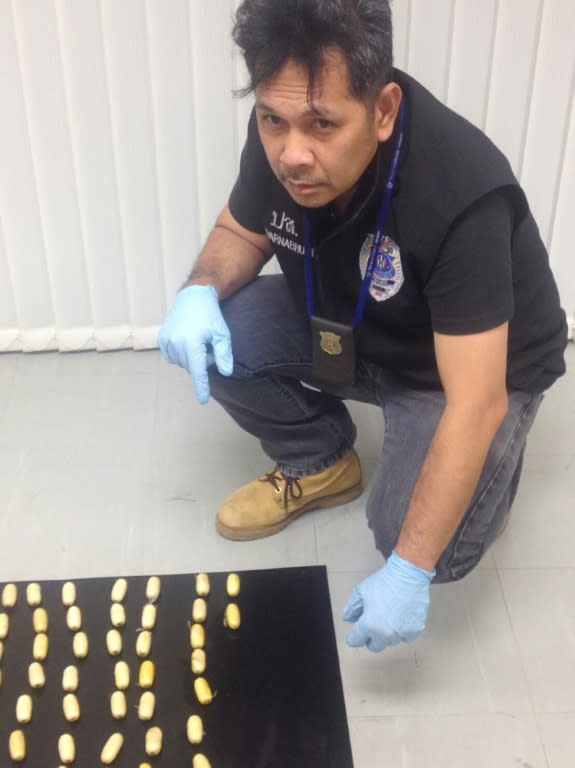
324	124
272	120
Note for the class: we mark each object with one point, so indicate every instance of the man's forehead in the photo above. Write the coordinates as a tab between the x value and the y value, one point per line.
292	84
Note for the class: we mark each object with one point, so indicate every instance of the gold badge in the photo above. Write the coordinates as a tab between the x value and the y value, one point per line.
331	343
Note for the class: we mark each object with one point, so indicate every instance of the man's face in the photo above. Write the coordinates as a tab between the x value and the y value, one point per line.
318	151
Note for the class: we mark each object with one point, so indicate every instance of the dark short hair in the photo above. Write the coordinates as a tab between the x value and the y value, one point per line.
270	32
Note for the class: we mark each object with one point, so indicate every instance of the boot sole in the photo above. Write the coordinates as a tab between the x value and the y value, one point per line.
262	531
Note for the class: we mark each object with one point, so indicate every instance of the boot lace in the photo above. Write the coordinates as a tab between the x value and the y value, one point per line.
291	485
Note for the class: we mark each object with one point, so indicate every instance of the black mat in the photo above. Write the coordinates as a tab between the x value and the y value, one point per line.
279	699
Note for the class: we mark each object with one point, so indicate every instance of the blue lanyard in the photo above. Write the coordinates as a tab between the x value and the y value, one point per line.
381	220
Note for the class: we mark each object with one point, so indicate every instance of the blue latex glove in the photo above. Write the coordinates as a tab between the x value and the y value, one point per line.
195	335
390	606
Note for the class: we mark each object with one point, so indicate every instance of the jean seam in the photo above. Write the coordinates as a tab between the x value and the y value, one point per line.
270	367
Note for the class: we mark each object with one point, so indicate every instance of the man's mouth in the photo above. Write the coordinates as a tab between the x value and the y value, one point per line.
302	188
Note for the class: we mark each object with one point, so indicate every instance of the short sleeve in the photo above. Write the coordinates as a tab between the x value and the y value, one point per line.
251	190
470	289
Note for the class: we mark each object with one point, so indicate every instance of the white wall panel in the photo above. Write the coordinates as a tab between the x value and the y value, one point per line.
128	71
175	132
8	312
84	67
401	10
511	86
550	111
563	239
120	140
22	225
471	59
214	110
431	30
47	115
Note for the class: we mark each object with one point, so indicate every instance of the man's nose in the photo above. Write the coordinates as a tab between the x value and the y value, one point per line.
296	151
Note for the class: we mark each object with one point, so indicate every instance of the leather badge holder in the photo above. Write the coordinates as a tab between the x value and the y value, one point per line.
333	352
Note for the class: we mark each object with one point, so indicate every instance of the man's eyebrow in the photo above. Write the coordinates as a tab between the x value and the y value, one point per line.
311	111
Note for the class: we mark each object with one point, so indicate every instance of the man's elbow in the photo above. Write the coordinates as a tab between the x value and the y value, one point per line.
492	412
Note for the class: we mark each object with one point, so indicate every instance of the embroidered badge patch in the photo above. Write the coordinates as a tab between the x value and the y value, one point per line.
388	273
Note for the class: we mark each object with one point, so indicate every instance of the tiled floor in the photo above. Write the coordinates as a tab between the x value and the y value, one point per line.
108	466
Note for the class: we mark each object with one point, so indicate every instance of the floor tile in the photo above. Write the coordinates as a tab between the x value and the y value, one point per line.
558	737
540	533
541	605
456	741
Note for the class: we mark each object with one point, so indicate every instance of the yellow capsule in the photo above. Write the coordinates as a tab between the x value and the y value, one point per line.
144	765
147	706
71	707
144	643
195	729
198	661
118	615
154	738
233	585
74	618
40	647
40	620
36	675
119	590
199	610
149	616
203	690
112	748
34	594
1	650
118	705
203	584
69	594
232	618
4	625
67	748
197	636
153	589
70	679
200	761
17	746
80	645
147	674
122	675
9	596
24	708
114	642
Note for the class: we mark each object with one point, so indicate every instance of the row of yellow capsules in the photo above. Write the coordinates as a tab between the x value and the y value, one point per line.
36	675
147	673
232	619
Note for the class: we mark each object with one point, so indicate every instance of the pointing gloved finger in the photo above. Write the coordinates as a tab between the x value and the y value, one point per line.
354	607
199	375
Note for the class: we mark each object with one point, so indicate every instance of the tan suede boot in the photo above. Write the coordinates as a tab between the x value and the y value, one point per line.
267	505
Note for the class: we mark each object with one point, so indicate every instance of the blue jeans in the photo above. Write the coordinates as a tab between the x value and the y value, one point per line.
305	431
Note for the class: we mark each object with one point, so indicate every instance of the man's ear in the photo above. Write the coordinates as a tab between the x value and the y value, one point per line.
387	105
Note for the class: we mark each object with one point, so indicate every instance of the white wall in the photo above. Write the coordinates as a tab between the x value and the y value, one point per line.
120	138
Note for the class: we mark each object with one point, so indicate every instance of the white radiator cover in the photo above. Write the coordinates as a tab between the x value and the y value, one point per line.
120	141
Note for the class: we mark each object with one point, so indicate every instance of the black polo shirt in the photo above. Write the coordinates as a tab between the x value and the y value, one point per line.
462	253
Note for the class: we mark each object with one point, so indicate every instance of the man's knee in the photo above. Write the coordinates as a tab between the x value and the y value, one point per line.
265	327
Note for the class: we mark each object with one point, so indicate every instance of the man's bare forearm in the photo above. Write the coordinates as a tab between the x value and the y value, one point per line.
230	259
446	485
